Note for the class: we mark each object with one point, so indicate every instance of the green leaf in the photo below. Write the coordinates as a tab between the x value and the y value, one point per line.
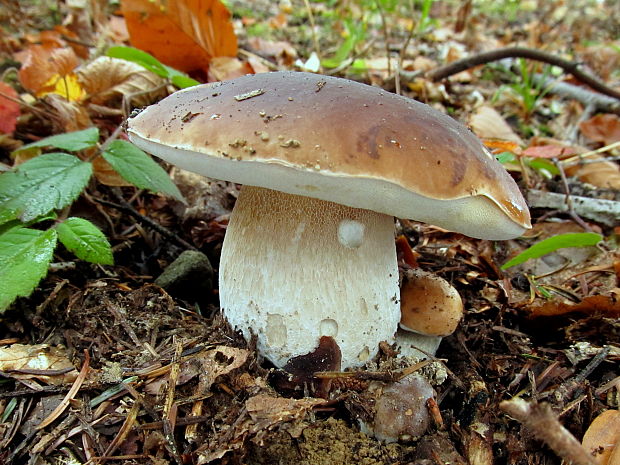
85	240
139	169
25	255
506	157
72	141
552	244
42	184
148	61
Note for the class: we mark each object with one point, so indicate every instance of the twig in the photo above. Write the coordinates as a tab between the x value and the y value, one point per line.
582	94
568	387
599	210
386	36
70	395
146	220
315	39
568	199
570	67
540	420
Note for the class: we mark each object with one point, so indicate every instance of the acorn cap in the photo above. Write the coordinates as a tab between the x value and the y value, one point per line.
340	141
429	304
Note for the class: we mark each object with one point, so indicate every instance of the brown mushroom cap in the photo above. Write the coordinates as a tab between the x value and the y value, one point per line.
340	141
429	304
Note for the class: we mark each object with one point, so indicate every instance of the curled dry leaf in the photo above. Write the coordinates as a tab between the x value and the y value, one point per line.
66	116
9	108
283	52
602	128
22	361
107	80
184	34
225	68
42	67
602	439
487	123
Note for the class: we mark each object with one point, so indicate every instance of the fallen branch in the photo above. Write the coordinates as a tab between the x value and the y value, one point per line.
588	98
601	211
570	67
540	420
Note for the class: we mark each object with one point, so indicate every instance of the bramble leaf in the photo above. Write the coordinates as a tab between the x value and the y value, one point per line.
552	244
85	240
71	141
42	184
25	255
139	169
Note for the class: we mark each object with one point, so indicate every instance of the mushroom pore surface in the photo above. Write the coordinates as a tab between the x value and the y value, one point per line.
294	269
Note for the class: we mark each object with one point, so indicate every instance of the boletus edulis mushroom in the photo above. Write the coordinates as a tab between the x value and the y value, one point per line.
326	164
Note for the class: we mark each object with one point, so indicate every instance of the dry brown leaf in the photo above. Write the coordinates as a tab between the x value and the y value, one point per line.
22	361
42	66
283	52
184	34
548	151
267	410
66	116
602	128
107	175
603	173
487	123
602	438
225	68
607	305
107	79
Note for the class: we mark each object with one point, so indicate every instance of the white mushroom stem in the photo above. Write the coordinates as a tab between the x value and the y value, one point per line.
294	269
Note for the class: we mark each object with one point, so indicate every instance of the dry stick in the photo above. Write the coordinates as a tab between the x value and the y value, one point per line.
315	39
568	199
124	207
587	97
570	67
386	36
540	420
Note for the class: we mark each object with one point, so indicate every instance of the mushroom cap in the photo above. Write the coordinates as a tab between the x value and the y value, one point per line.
429	304
336	140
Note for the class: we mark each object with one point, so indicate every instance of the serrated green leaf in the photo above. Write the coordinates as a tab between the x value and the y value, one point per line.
85	240
552	244
72	141
42	184
139	169
25	255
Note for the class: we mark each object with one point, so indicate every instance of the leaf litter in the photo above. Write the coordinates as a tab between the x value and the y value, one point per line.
164	380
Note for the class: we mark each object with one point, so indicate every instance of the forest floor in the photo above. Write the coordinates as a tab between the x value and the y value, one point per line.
101	365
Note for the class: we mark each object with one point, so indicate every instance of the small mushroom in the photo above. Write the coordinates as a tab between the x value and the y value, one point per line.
429	304
309	250
430	308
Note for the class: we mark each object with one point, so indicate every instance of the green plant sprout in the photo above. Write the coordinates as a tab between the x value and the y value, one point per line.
36	190
552	244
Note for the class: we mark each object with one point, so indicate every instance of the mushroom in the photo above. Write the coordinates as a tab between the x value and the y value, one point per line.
430	308
326	164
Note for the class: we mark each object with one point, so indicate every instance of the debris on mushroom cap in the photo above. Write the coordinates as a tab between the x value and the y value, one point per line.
429	304
340	141
401	411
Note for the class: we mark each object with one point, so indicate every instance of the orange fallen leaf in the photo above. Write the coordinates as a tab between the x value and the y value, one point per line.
41	65
602	437
602	128
9	108
184	34
502	145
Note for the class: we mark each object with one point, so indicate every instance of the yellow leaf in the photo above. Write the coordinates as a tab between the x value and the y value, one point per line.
66	86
